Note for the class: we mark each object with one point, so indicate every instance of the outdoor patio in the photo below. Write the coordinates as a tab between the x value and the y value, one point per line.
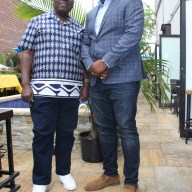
166	161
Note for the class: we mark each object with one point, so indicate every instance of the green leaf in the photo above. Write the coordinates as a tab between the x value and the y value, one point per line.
9	63
31	8
2	59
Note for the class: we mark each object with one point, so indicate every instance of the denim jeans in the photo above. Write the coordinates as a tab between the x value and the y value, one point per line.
49	116
115	107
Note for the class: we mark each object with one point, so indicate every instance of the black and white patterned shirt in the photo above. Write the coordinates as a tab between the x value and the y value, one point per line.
57	70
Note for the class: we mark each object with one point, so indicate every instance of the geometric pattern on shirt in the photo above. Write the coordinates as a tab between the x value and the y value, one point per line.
56	45
56	87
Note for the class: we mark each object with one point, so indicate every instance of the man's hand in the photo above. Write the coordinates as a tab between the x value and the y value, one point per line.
84	93
27	94
104	75
26	63
98	69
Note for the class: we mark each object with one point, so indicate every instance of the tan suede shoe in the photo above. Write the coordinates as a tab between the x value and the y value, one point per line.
131	188
102	182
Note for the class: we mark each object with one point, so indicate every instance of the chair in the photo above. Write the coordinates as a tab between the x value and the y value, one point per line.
188	121
1	155
174	100
9	181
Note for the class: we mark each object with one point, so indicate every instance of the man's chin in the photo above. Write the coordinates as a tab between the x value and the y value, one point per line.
62	12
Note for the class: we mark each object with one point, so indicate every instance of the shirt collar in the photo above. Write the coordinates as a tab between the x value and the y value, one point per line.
52	15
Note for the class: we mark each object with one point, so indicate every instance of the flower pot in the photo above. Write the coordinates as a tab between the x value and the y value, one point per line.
90	148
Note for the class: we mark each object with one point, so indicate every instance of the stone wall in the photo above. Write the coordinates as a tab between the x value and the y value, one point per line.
22	128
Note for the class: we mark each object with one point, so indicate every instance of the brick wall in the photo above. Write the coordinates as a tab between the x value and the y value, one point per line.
11	28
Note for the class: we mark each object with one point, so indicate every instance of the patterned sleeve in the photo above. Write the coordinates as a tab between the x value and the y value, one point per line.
28	39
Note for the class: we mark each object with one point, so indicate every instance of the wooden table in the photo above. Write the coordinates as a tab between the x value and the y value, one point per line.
9	182
9	82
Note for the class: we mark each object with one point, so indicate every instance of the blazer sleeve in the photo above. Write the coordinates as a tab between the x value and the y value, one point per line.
85	48
134	23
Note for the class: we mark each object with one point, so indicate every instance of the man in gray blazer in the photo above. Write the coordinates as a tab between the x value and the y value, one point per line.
111	55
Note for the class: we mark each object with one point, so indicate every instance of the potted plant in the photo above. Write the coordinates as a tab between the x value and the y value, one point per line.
90	145
155	86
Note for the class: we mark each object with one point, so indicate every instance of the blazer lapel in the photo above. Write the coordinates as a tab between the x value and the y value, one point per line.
94	14
110	8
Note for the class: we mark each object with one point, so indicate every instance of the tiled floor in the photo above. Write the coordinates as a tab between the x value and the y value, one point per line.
166	161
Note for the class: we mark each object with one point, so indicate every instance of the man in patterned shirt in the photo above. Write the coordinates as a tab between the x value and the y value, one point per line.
51	45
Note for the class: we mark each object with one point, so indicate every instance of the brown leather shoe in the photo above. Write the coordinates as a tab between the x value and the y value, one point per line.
131	188
102	182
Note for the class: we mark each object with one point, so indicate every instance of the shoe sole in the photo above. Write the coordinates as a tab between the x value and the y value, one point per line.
114	184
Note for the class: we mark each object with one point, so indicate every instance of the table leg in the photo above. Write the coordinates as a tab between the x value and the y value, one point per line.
10	150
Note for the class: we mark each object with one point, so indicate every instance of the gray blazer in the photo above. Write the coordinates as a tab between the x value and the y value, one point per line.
117	41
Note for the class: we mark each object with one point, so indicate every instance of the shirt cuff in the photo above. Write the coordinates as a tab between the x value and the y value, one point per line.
106	64
89	67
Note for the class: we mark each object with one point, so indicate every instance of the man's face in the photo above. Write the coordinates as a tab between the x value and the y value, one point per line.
63	7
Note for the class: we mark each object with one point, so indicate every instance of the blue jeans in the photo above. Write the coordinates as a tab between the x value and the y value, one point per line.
49	116
115	107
